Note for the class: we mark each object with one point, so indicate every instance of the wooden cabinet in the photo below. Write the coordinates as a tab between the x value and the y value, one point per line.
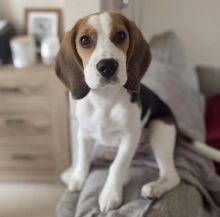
34	142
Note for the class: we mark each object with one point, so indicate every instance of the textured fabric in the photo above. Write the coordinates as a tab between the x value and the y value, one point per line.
183	201
209	78
168	50
213	124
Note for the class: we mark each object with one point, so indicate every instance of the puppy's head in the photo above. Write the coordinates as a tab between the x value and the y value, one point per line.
102	50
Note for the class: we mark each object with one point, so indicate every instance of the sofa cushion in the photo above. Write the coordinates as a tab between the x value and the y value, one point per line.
168	50
213	124
184	200
209	79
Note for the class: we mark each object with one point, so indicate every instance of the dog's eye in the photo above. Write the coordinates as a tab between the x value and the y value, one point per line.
86	41
119	37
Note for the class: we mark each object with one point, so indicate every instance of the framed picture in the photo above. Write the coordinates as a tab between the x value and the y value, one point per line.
41	23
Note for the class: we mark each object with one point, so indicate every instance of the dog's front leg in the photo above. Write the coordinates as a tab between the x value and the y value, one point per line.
111	195
83	161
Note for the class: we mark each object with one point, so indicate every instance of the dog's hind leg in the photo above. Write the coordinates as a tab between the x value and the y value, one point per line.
162	139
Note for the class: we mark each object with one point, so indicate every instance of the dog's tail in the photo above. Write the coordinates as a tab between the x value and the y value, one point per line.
202	149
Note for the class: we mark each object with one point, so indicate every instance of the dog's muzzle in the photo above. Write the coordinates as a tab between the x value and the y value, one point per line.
107	67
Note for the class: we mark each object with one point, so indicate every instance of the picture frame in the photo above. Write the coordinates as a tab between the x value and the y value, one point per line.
41	23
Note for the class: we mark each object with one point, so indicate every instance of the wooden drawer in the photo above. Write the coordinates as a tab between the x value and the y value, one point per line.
23	85
26	163
27	158
24	105
23	91
36	143
28	125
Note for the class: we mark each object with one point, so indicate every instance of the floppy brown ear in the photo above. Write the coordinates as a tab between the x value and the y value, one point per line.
138	57
69	66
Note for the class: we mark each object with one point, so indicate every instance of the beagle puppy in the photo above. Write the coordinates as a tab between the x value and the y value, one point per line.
102	60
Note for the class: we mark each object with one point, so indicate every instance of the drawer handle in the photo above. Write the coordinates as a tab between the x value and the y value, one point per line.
23	157
25	89
15	122
10	90
26	126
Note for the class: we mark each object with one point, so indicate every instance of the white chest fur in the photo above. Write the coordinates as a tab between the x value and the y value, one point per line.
106	113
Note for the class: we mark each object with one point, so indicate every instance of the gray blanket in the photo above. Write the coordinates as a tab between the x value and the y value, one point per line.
174	81
183	201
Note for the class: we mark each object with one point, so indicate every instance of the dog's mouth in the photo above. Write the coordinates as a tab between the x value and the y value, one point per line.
112	82
109	81
103	82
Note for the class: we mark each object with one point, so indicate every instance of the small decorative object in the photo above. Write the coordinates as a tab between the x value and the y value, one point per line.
23	51
41	23
49	49
7	31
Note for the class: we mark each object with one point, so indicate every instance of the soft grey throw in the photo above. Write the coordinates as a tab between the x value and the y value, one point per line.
183	201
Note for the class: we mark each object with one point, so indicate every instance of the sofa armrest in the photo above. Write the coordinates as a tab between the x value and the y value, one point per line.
209	80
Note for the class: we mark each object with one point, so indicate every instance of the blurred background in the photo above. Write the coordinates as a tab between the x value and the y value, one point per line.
196	22
36	122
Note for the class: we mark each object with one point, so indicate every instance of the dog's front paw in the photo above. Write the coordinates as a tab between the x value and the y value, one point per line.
157	188
110	198
76	183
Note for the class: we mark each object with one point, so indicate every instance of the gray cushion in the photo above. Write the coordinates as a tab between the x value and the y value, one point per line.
185	200
209	79
173	79
167	49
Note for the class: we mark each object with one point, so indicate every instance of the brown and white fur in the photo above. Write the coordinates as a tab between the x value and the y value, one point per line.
105	111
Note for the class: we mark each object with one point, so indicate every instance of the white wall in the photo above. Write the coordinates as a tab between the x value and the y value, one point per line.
13	10
75	9
197	22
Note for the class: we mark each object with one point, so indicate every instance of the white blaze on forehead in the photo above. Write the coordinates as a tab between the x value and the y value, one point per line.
101	23
104	49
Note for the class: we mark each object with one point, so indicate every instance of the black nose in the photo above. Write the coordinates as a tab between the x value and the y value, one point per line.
107	67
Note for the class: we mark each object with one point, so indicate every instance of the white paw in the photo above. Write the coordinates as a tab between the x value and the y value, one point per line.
157	188
110	198
76	183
